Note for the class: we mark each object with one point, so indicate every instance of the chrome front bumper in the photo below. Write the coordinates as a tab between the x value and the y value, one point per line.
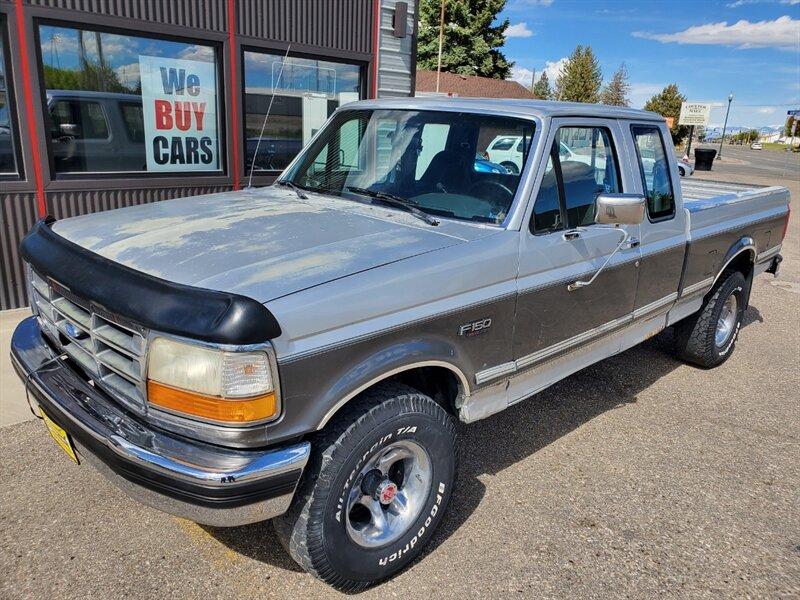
204	483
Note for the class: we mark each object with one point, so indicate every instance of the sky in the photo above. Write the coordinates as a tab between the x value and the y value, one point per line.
710	48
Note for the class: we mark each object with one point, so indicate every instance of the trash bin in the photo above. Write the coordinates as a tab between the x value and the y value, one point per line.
704	158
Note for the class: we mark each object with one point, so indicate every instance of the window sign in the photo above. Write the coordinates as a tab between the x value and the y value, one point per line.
180	122
118	103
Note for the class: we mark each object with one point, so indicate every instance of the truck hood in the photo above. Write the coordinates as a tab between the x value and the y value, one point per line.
263	244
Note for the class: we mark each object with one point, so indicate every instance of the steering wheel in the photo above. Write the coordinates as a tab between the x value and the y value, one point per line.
492	187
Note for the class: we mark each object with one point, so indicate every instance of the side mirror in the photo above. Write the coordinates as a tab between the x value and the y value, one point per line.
620	209
69	129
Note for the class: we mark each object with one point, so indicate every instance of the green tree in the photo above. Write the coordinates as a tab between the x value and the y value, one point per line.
581	78
667	103
787	130
542	88
90	77
472	41
616	91
701	133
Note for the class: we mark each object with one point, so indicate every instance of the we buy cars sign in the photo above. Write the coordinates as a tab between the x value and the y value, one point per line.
179	99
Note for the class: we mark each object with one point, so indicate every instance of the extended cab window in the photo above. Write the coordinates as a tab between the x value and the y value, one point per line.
655	171
582	165
79	120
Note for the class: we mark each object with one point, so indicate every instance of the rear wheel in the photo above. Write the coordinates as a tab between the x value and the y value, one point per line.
708	337
375	489
682	171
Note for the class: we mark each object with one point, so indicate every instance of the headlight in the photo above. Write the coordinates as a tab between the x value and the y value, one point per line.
226	387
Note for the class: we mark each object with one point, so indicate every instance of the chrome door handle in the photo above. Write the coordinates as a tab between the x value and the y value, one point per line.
632	243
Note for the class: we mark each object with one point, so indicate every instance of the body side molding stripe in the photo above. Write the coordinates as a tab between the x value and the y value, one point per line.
769	253
700	285
540	355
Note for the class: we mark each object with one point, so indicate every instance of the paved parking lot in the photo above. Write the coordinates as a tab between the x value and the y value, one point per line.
637	477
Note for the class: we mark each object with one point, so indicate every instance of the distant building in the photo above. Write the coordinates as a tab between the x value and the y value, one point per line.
469	86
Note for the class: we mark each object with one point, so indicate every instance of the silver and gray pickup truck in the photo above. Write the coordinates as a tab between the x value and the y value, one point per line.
302	352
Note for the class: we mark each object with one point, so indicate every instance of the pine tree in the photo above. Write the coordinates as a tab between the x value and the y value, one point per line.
471	42
542	89
581	79
616	91
667	103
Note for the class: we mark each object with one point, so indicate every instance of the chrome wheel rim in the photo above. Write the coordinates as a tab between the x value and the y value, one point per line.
727	320
388	494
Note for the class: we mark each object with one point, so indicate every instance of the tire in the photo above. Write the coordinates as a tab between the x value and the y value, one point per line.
339	544
696	338
682	171
511	167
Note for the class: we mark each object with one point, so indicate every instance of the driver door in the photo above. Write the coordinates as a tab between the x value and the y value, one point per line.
563	244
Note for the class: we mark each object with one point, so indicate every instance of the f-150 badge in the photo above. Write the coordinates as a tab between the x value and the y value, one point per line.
475	328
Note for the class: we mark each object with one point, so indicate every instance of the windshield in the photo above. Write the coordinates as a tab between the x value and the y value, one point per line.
450	164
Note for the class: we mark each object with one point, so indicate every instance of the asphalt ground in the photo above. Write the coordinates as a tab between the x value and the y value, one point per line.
637	477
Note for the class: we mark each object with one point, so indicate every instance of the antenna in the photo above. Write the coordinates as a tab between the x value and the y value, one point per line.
266	116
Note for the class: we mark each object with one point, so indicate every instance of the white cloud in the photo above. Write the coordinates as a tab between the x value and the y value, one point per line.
739	3
195	52
518	30
521	75
642	92
128	75
766	110
552	68
783	32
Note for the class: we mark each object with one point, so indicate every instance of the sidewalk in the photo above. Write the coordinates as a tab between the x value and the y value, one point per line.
13	407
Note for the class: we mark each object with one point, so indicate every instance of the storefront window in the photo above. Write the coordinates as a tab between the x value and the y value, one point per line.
119	103
306	94
8	158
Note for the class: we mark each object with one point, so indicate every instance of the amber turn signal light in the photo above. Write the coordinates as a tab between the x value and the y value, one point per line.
237	410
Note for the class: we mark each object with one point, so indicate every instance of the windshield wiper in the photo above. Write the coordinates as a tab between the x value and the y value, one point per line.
396	202
296	189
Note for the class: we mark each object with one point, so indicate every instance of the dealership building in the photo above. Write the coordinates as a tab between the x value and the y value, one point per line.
105	104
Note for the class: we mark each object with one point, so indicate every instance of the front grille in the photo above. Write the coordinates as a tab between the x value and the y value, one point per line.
109	349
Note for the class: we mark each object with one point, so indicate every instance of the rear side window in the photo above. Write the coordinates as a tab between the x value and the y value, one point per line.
654	166
133	118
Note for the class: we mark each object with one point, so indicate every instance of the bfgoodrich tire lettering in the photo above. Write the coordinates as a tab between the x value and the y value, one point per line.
695	336
315	528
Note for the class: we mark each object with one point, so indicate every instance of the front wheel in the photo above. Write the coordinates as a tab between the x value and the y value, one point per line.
511	167
375	489
708	337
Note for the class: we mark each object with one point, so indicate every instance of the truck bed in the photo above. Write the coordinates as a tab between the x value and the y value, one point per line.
718	205
724	218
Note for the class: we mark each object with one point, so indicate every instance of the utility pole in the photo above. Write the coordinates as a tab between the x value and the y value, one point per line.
725	125
441	40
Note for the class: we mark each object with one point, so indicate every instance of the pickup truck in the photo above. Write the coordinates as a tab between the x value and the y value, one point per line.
303	352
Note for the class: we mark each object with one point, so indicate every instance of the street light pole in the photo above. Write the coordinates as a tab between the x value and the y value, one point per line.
725	125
